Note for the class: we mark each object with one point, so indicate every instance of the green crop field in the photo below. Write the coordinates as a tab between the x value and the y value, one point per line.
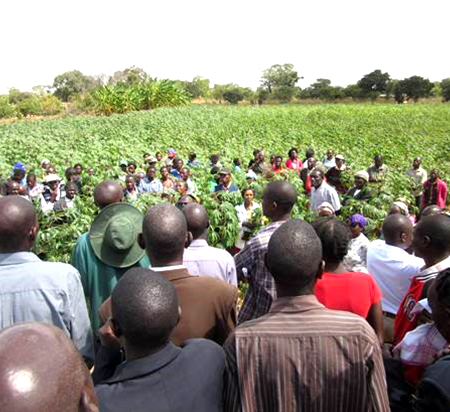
358	131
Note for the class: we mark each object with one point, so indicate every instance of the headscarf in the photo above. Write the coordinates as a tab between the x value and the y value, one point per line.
363	175
359	219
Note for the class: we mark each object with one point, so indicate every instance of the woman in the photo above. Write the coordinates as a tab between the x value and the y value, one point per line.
131	192
339	289
356	258
166	179
294	162
244	214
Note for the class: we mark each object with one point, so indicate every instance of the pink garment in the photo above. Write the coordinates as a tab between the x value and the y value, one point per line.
295	165
441	193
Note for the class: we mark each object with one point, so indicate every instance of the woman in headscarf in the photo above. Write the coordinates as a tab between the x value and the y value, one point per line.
356	258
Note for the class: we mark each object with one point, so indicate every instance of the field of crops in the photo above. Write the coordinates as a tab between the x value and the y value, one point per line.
358	131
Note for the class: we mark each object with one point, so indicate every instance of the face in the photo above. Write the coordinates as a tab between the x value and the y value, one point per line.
130	184
184	201
51	170
441	316
378	161
164	173
131	169
45	165
433	175
294	154
181	188
78	169
185	174
123	168
356	229
151	173
272	159
91	171
339	163
13	188
316	179
18	176
225	179
394	210
31	181
416	163
278	161
71	192
359	182
158	156
53	185
329	154
311	163
249	196
179	164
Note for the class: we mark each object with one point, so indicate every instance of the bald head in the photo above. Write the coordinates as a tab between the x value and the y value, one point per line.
432	237
107	193
294	256
164	232
42	371
197	219
18	224
431	210
397	231
279	198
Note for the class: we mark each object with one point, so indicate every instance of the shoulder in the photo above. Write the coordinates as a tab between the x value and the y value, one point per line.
216	288
203	348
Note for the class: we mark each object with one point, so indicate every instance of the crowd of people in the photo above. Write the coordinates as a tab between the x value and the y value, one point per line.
147	316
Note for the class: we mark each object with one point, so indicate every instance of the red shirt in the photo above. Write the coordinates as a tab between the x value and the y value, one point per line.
354	292
296	164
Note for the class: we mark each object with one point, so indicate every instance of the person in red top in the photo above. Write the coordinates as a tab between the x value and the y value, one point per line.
294	162
431	241
277	166
434	191
339	289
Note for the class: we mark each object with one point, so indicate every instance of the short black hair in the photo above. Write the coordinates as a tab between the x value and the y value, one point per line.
283	193
294	254
394	225
291	150
77	165
144	306
237	161
437	228
70	171
247	188
335	236
132	164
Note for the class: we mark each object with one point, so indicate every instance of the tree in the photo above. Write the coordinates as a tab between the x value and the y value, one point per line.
280	81
445	87
234	95
129	76
415	87
322	89
353	91
69	84
198	87
374	83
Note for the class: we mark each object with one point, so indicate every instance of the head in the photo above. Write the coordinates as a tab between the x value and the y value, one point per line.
237	162
185	173
130	183
432	237
18	174
107	193
42	371
12	188
399	207
146	156
272	159
278	161
151	173
311	163
53	184
434	175
326	210
31	180
430	211
214	159
178	164
144	308
197	220
45	163
335	236
185	200
164	234
192	156
171	153
293	153
257	154
357	223
131	169
439	300
123	166
78	168
278	200
309	152
70	174
361	179
317	178
71	190
182	187
378	160
249	195
158	156
294	258
225	177
417	162
51	170
18	224
398	231
330	154
164	172
339	159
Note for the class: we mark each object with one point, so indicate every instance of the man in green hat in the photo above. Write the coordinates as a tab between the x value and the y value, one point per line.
110	248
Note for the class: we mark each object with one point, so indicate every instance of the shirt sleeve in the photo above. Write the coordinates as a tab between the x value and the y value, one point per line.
378	400
335	202
245	260
231	394
374	291
231	272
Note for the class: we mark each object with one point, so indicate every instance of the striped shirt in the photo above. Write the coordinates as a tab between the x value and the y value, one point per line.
261	290
304	357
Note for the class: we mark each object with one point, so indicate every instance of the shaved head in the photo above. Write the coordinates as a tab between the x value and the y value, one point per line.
279	197
196	218
42	371
164	231
17	223
397	231
432	236
107	193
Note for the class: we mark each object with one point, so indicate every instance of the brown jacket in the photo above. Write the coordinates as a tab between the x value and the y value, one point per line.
208	307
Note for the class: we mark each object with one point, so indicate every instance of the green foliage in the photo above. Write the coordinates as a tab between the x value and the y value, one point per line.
445	87
50	105
69	84
415	87
130	76
6	108
198	87
233	96
29	106
280	80
322	89
374	84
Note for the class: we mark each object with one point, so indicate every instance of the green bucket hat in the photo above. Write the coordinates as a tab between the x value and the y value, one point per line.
114	233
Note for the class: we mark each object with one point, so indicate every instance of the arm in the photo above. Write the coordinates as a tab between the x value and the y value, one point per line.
375	319
227	317
378	400
244	260
231	392
335	201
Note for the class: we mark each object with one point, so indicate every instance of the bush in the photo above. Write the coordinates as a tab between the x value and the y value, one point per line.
50	104
6	109
29	106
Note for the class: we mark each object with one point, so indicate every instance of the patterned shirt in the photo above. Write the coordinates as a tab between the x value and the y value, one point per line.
304	357
250	266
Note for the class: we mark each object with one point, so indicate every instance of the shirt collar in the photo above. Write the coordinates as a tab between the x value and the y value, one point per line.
438	267
199	243
17	258
167	268
296	304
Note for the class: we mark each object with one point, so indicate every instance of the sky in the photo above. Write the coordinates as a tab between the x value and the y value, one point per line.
230	41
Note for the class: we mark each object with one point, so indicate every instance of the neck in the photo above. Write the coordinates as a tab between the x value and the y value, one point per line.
399	245
433	260
203	236
248	205
158	261
280	217
23	248
292	291
336	268
132	353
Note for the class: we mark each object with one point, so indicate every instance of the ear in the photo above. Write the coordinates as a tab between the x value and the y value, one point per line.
34	232
141	241
426	241
189	239
180	312
403	237
320	270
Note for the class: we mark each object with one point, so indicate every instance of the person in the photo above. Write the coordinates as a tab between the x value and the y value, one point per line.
392	266
68	200
123	165
18	173
305	173
360	191
257	163
302	356
326	209
149	183
277	166
226	183
432	243
131	192
278	200
167	179
322	192
429	211
334	174
377	172
193	161
214	161
33	290
52	193
12	188
237	165
159	157
309	153
294	162
185	200
356	258
340	289
169	159
399	207
99	268
181	187
144	313
244	213
45	163
201	259
34	188
186	176
42	371
177	168
329	160
434	191
419	177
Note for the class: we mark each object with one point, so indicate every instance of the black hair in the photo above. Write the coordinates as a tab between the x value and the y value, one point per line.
247	188
19	172
192	155
237	161
442	285
335	236
77	165
283	193
70	171
71	184
144	307
132	164
393	226
214	158
310	152
214	170
278	157
291	150
130	177
196	218
437	228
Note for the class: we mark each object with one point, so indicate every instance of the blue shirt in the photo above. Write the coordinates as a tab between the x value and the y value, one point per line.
154	186
49	292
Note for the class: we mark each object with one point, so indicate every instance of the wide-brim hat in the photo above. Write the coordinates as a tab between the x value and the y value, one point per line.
52	177
114	234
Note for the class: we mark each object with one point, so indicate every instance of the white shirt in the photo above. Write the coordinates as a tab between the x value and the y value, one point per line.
392	268
324	193
356	258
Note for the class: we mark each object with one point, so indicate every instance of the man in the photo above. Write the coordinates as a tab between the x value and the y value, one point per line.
176	171
434	191
149	183
360	190
12	188
33	290
322	192
392	267
42	372
200	258
329	160
52	192
257	163
67	201
156	373
100	272
301	356
377	172
186	176
333	174
169	159
432	243
278	200
419	177
226	184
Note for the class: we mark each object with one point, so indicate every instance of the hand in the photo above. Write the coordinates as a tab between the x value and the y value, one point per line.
107	337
